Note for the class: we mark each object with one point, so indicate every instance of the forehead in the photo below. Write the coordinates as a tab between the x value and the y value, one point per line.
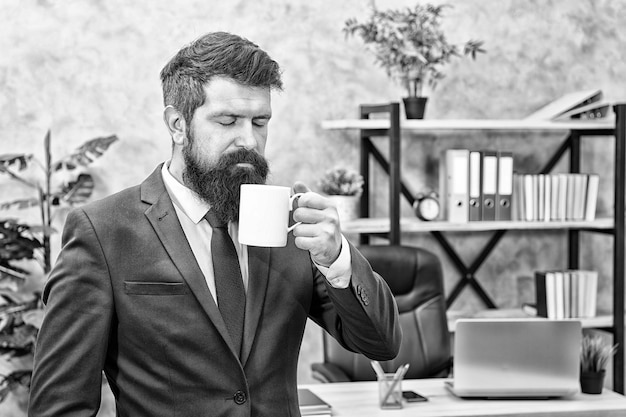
224	95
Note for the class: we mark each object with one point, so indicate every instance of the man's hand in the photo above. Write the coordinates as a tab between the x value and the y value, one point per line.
319	232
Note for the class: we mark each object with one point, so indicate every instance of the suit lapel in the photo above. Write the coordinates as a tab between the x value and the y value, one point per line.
164	220
258	276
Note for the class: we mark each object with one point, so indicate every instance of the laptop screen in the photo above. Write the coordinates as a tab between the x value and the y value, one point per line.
517	357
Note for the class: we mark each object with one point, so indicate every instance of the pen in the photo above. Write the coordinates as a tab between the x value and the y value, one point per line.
378	369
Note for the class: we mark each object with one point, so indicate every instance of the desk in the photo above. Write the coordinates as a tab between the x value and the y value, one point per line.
360	399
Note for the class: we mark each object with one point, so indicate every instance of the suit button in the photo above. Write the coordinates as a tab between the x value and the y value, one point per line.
240	397
359	288
364	298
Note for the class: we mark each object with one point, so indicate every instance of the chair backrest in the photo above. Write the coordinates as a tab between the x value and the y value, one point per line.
415	278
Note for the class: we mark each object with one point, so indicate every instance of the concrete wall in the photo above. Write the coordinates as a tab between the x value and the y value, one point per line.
91	68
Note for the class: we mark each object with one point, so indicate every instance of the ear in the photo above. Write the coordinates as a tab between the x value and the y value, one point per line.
175	123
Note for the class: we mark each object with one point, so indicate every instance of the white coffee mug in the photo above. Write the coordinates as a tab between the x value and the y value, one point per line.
264	214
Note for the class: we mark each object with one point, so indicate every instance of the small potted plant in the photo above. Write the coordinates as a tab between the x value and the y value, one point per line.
343	186
594	356
411	46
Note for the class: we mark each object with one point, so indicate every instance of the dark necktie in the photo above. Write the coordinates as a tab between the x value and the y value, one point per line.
231	296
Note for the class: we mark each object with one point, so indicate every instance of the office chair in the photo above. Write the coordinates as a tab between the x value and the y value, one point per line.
415	278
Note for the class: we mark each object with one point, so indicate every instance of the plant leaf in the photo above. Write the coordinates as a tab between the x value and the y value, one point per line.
16	242
86	153
473	47
11	272
33	318
10	280
20	342
22	203
12	297
77	192
14	381
22	160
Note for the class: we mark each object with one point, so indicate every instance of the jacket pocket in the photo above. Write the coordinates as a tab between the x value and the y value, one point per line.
155	288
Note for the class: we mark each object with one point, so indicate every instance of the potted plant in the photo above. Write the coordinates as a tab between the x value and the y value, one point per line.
411	46
344	187
594	356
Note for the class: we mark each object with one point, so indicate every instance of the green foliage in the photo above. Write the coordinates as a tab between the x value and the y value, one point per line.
13	382
21	311
595	354
14	159
17	242
69	193
86	153
75	192
410	44
341	181
17	335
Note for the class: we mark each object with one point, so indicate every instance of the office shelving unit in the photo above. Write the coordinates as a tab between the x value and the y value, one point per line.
391	227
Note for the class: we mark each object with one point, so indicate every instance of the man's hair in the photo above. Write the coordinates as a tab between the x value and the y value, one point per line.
215	54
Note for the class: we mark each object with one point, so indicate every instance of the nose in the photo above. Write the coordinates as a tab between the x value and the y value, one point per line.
247	137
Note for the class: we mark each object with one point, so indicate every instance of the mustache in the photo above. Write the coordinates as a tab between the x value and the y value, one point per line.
230	161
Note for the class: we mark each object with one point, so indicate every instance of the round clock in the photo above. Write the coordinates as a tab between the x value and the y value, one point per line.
426	206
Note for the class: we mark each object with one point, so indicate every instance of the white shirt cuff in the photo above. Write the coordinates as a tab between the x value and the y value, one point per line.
339	272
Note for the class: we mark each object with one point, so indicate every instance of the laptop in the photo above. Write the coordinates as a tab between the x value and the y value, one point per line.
516	358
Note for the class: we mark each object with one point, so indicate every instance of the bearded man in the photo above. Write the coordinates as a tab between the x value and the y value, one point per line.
137	291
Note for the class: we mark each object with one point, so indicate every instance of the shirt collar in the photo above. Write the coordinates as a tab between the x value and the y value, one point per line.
184	198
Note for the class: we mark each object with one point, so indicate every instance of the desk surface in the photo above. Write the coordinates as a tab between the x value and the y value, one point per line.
360	399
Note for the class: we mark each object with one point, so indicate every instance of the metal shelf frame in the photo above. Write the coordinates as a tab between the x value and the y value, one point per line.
571	144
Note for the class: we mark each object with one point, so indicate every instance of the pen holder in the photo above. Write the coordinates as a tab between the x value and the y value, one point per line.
390	391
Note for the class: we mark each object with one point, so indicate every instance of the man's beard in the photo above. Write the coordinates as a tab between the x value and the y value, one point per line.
218	185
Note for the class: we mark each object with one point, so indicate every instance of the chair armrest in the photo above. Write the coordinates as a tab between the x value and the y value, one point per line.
328	372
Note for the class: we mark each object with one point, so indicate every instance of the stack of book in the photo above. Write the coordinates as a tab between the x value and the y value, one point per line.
577	105
566	294
311	404
555	197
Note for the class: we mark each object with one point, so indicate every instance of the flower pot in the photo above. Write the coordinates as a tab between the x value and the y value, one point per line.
347	207
592	382
414	107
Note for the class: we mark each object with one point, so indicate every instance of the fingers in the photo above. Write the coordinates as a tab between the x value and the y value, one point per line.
313	208
309	198
319	231
322	240
300	187
315	230
314	201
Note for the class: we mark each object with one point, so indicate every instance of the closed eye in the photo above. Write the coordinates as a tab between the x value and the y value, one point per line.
226	120
231	120
260	122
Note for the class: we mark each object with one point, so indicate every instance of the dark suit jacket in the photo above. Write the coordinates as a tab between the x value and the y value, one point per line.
127	296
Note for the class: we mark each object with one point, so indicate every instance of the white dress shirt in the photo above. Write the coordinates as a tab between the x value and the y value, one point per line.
191	210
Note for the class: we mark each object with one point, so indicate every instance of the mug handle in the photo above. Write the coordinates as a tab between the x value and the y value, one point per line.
291	200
